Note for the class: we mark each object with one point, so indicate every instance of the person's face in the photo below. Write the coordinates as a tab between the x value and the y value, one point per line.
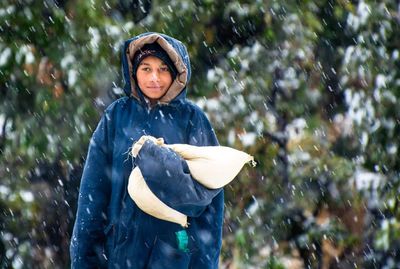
153	78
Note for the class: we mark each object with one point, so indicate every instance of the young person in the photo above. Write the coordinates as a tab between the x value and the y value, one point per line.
110	230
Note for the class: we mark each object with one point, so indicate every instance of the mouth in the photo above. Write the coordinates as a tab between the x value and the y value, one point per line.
154	87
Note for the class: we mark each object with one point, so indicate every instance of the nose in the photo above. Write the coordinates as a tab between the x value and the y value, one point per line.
154	76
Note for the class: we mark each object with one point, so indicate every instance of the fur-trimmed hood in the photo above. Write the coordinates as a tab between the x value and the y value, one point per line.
176	51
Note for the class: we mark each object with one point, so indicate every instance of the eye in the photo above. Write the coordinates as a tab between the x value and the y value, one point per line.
145	69
164	69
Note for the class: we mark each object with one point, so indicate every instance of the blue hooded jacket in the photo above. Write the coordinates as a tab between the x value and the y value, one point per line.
110	231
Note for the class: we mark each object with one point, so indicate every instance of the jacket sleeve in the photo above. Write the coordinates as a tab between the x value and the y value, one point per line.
168	176
86	248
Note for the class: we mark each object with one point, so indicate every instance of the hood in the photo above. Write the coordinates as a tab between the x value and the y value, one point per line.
175	50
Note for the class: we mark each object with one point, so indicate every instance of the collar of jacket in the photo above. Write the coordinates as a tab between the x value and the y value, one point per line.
176	51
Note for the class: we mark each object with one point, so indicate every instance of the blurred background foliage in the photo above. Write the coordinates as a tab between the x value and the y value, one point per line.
310	88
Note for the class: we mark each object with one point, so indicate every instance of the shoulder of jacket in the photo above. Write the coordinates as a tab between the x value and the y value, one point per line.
116	104
192	107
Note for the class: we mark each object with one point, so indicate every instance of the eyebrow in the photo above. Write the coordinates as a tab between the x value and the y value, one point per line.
144	63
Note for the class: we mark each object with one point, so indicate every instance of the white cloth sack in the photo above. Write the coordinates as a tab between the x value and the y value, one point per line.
212	166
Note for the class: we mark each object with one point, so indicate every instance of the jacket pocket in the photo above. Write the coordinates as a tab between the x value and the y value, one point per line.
165	256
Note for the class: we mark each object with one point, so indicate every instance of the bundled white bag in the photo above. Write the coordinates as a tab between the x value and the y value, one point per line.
212	166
